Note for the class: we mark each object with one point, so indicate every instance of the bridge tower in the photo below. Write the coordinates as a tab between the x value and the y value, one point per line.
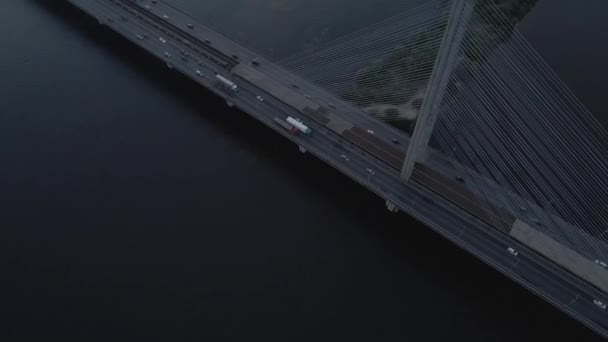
447	58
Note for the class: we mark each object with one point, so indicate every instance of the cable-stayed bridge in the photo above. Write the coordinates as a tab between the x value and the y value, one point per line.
444	111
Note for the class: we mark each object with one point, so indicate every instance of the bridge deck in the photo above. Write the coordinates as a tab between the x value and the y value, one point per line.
438	200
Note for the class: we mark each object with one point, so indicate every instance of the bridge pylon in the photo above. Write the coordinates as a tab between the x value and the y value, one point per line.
447	58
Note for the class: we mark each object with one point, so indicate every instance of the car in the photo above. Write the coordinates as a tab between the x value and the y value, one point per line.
207	41
168	55
261	99
190	26
395	141
154	1
295	86
199	73
140	37
537	222
110	20
344	157
601	263
255	63
369	131
370	171
148	8
512	251
162	40
600	304
460	179
308	96
166	17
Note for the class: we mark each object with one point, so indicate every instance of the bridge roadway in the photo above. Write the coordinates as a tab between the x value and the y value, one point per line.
564	290
509	202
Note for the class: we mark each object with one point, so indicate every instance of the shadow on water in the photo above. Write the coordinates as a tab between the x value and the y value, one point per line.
458	280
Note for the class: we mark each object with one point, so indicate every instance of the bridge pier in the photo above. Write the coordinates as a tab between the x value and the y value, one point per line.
302	149
392	207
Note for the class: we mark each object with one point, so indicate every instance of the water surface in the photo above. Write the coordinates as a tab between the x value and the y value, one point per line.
137	205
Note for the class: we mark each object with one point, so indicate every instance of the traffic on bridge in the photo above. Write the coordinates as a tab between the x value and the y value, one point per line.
512	232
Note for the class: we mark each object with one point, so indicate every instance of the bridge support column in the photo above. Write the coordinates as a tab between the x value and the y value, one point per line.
391	207
303	149
447	57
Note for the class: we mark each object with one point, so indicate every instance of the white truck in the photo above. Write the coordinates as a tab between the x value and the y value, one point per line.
227	83
286	126
299	125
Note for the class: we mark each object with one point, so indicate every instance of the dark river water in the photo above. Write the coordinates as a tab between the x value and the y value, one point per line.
134	205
